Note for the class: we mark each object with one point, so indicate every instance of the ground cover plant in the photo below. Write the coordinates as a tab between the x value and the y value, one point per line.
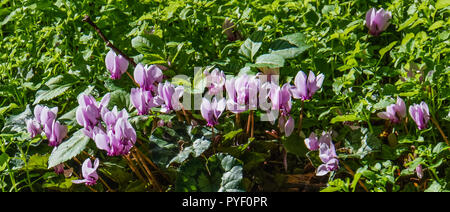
192	95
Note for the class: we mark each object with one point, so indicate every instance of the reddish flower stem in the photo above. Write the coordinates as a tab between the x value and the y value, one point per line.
88	20
300	119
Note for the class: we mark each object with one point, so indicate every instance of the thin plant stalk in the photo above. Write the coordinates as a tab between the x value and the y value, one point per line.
439	128
300	120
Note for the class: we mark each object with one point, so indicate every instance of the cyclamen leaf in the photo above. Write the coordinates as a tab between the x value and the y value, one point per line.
68	149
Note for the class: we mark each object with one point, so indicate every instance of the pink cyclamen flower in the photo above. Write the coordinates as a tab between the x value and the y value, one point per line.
111	143
242	93
110	117
88	111
312	143
169	97
327	154
211	111
281	98
116	64
33	127
120	135
146	76
305	87
142	100
215	81
420	114
419	171
394	112
286	126
377	21
89	172
55	133
44	115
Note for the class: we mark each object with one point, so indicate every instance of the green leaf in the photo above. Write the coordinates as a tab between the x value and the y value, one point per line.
230	135
3	161
37	161
442	4
342	118
295	145
232	178
147	44
55	87
17	122
436	25
434	187
408	22
269	61
200	146
386	49
289	46
355	180
121	99
251	45
68	149
441	146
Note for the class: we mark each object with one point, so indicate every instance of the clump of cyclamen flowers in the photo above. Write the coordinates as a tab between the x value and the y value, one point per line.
152	92
242	93
327	152
118	137
45	120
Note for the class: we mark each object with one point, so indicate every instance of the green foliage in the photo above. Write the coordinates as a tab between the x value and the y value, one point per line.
49	56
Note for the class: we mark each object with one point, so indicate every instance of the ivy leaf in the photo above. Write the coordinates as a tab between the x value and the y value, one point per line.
68	149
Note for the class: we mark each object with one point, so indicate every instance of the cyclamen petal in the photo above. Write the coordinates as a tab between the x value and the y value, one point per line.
56	133
89	172
146	76
377	21
168	97
116	64
305	87
312	142
420	114
33	127
211	111
215	81
394	112
142	100
289	126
